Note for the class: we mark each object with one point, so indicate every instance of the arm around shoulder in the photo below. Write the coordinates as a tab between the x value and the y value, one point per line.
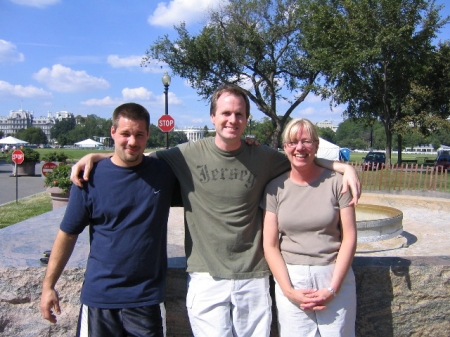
85	164
350	177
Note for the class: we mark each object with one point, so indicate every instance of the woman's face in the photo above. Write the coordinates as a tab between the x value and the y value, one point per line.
302	150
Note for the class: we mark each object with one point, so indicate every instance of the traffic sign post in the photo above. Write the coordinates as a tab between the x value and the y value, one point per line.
166	123
17	157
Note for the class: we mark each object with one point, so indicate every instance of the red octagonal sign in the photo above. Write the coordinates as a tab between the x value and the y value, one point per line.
18	157
166	123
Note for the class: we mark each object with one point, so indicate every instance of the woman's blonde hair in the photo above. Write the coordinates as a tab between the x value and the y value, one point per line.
291	130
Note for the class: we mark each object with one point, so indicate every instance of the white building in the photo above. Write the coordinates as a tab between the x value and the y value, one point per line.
327	124
193	133
23	119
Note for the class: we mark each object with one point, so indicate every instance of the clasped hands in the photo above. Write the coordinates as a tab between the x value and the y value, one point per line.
310	299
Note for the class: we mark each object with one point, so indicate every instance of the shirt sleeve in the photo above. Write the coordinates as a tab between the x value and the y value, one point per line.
76	217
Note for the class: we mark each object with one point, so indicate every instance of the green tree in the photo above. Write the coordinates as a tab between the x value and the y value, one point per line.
427	107
176	138
62	127
255	44
371	52
207	133
32	135
327	134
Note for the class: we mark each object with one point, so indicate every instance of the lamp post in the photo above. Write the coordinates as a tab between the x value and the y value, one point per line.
166	81
250	118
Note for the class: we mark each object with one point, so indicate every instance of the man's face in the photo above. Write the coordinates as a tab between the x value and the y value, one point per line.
230	120
130	138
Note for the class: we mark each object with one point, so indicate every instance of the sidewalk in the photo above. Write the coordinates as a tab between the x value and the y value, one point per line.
22	244
425	229
27	185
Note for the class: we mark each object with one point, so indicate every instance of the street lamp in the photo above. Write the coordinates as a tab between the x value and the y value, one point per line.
166	81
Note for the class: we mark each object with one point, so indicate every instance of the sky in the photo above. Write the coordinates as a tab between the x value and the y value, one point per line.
84	57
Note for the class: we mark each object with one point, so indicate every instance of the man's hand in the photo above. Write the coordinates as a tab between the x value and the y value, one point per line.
251	141
85	164
351	179
49	301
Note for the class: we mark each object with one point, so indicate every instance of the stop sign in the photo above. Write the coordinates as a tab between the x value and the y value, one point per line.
48	167
18	157
166	123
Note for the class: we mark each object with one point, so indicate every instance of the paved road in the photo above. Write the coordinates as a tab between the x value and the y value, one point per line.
27	185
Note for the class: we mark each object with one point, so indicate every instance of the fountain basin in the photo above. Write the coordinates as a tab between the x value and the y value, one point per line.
377	223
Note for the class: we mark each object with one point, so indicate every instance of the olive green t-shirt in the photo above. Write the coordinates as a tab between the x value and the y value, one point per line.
221	192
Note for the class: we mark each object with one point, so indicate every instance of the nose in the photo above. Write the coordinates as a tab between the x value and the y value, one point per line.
131	140
232	118
300	145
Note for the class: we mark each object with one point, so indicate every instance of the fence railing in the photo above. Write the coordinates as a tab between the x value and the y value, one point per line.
403	177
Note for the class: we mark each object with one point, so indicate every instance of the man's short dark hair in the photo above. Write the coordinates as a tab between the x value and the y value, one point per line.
131	111
231	89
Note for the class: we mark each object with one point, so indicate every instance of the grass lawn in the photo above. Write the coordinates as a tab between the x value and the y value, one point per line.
24	209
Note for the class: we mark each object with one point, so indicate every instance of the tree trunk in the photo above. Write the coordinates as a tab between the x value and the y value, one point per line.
399	148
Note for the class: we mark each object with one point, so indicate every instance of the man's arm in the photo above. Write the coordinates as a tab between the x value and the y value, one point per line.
60	254
350	177
87	162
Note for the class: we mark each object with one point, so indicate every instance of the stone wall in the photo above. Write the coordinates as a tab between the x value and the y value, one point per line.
396	297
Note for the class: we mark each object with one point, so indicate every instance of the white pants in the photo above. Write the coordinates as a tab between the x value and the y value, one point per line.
338	319
226	308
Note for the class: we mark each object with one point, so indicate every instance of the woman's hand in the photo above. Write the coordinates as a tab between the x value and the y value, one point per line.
307	299
319	298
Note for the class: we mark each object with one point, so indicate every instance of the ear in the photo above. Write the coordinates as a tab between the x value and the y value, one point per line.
113	131
213	118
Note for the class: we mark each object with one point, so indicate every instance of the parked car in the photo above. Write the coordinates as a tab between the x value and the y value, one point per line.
372	159
443	160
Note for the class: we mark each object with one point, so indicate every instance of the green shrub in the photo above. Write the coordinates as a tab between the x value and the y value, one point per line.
59	177
31	156
55	157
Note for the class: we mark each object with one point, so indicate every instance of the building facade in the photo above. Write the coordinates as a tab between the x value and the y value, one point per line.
327	124
22	119
193	134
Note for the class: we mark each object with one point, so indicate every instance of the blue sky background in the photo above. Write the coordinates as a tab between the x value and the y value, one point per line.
84	56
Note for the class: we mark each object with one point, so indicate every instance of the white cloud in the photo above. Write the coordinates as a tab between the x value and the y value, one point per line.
35	3
137	94
153	66
131	61
176	11
8	52
140	94
309	111
173	99
311	98
107	101
8	90
63	79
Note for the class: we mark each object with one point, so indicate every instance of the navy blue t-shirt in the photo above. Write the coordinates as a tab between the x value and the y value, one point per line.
126	209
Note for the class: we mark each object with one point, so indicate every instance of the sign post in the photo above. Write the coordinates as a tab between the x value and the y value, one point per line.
166	123
17	157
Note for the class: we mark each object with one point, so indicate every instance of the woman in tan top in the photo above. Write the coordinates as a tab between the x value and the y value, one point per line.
309	240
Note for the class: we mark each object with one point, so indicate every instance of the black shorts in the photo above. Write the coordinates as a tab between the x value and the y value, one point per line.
135	322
